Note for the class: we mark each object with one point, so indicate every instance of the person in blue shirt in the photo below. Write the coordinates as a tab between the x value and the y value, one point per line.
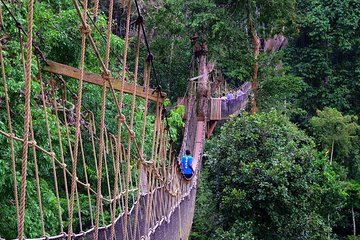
186	165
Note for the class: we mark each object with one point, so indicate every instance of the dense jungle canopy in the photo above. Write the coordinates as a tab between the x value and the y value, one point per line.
290	170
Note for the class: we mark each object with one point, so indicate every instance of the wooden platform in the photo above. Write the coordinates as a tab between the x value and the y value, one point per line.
199	143
97	79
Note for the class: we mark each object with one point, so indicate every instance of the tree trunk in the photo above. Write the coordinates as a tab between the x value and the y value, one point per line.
202	84
329	236
256	50
354	222
332	152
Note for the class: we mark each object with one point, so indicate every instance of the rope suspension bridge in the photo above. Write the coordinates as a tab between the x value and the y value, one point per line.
137	190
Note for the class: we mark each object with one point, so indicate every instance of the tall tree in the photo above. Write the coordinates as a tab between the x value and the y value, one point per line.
263	19
333	129
326	54
266	180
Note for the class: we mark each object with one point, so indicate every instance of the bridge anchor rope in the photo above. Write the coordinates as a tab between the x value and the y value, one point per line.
123	174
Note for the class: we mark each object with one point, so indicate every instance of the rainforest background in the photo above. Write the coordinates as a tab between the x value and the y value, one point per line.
290	171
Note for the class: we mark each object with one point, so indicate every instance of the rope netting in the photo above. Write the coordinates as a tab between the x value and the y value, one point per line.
230	104
114	171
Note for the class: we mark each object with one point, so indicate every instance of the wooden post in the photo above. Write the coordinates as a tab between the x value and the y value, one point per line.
256	44
200	51
143	180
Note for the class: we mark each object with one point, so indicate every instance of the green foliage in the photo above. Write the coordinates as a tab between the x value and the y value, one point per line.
176	121
56	31
266	180
326	54
330	126
269	16
176	22
352	191
205	211
277	87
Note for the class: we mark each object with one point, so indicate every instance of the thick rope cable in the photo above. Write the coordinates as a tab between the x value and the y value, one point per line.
109	25
102	121
83	19
23	64
164	154
125	218
11	133
92	133
146	85
148	48
86	181
64	101
123	187
158	134
117	172
96	8
161	150
121	173
26	121
19	26
107	170
77	122
131	135
103	220
158	169
115	55
32	143
136	221
37	180
155	132
100	162
128	176
7	135
126	46
78	208
161	161
150	198
50	143
63	165
159	210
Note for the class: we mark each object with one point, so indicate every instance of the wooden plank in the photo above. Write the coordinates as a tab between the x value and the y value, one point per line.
97	79
215	109
199	144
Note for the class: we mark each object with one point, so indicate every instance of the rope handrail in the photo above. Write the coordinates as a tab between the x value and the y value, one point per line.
113	175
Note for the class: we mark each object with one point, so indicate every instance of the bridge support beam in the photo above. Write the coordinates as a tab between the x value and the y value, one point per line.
200	52
143	179
210	128
97	79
